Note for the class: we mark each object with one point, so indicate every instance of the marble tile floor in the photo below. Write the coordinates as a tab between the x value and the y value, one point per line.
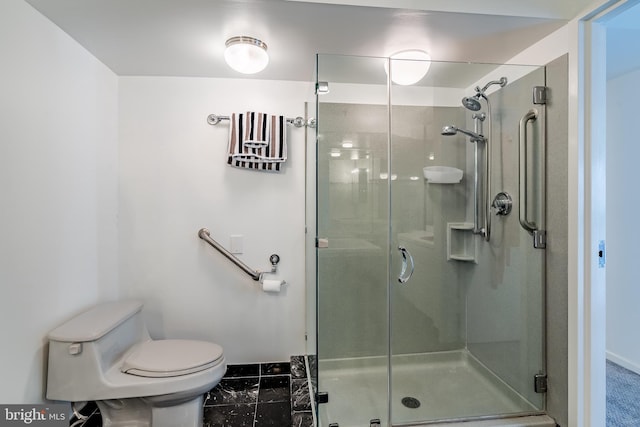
269	394
254	395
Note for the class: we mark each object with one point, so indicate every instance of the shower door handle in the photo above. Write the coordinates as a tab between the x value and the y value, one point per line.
530	226
407	263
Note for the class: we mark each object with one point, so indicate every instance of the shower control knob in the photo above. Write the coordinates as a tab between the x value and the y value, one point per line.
502	203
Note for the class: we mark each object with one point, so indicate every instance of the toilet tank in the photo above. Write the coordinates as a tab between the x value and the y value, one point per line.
82	349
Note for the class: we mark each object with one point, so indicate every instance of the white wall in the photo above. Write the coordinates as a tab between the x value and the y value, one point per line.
58	189
174	180
623	204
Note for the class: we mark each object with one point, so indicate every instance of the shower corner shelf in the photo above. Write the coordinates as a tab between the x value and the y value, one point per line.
461	245
442	174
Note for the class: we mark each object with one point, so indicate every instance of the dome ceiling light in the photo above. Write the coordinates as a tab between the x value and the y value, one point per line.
246	55
408	66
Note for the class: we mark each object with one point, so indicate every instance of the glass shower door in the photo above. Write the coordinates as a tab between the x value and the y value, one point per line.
421	318
466	326
352	247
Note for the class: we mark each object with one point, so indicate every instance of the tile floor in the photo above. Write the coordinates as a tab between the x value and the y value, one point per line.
269	394
256	395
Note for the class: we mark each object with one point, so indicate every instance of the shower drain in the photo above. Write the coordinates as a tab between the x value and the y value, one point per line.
410	402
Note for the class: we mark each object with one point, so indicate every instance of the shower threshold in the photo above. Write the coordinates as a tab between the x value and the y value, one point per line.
434	386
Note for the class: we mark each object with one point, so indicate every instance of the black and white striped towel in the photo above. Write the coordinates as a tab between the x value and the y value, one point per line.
257	141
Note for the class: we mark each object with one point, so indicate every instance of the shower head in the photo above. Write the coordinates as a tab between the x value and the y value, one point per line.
473	137
472	103
449	130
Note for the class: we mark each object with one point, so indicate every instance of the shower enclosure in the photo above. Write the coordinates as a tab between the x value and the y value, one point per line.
430	258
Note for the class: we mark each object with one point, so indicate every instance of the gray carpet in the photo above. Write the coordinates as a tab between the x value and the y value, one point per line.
623	397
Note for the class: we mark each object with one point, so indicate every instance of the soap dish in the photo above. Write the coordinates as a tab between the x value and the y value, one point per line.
442	174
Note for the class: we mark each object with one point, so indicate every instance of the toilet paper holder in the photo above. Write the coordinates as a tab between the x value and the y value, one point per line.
274	259
256	275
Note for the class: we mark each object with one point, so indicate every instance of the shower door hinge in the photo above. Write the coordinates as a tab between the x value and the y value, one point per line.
539	94
540	383
322	397
539	239
322	242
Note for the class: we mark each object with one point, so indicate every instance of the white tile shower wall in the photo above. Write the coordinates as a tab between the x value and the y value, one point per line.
58	180
174	180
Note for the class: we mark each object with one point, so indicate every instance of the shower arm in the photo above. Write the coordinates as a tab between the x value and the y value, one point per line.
502	83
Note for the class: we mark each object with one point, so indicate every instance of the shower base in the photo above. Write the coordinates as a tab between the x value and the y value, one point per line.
447	385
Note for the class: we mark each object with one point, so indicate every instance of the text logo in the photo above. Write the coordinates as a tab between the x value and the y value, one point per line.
53	415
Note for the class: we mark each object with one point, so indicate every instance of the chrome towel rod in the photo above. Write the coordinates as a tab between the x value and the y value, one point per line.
214	119
256	275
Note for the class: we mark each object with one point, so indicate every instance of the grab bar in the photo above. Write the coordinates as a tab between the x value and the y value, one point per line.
539	236
256	275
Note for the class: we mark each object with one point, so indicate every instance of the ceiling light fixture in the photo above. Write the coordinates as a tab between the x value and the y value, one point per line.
408	66
246	55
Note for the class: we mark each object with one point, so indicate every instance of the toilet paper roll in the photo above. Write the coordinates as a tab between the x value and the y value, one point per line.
272	285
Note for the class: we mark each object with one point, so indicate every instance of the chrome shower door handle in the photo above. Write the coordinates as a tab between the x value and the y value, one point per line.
407	264
530	226
539	236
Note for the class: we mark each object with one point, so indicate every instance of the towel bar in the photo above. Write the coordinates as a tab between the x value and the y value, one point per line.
256	275
214	119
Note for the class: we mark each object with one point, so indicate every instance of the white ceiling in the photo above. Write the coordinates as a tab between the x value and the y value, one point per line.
539	8
186	37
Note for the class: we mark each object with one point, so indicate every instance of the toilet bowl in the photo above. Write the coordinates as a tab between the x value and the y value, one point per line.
106	355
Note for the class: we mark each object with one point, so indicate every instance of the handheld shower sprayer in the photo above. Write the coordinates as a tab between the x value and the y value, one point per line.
473	136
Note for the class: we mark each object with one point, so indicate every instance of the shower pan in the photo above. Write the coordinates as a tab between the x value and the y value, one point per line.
420	317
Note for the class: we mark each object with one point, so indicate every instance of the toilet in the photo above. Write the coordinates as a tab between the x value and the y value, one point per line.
106	355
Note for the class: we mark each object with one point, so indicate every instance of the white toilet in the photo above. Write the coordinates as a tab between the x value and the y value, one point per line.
105	354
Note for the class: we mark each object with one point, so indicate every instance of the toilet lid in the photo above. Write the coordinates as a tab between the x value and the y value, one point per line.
171	358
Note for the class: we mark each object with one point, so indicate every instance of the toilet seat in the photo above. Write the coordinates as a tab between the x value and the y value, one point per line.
171	358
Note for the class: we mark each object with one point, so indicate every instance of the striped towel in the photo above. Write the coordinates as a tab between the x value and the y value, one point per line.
257	141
